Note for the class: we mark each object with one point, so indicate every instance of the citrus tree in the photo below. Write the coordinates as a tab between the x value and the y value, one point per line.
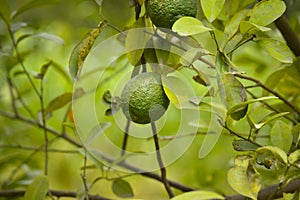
150	99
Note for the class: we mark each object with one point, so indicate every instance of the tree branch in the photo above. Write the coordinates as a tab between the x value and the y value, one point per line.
56	193
292	187
260	84
108	159
289	34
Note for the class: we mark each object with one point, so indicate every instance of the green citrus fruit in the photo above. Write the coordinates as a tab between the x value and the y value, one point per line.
143	98
163	13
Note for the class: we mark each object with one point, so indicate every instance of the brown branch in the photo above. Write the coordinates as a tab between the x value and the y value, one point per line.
260	84
56	193
289	34
108	159
265	193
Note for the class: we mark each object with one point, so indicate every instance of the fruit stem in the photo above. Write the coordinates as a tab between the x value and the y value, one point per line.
125	139
160	161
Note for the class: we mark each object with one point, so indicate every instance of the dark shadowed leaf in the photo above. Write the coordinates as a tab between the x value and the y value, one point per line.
38	189
243	145
122	188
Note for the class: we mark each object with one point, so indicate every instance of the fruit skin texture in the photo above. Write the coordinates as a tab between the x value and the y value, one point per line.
163	13
143	96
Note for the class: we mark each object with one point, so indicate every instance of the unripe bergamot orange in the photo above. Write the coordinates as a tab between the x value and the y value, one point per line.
163	13
144	99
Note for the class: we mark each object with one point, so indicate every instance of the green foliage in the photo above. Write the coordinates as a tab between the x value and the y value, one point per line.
229	63
37	189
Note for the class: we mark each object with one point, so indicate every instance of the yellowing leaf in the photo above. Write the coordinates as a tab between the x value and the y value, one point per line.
212	8
243	178
81	51
186	26
266	12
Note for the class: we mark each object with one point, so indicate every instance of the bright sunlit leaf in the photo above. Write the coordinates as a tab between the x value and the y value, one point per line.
212	8
198	195
266	12
277	49
243	178
186	26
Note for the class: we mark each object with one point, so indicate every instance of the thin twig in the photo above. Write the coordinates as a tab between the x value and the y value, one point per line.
160	161
108	159
125	139
239	135
56	193
269	90
26	148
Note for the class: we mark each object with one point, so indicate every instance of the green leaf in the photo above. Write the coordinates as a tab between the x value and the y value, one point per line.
122	188
234	95
281	135
81	50
277	49
198	195
266	12
32	4
212	8
176	91
58	102
186	26
136	40
233	24
250	28
294	156
118	12
38	189
243	178
241	105
5	11
265	121
276	152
